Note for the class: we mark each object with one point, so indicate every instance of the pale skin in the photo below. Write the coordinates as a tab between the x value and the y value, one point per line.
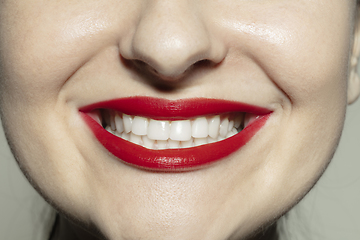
292	57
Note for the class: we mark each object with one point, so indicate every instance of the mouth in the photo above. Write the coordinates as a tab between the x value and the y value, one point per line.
166	135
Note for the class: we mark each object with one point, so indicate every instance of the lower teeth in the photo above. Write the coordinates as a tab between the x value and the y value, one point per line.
168	144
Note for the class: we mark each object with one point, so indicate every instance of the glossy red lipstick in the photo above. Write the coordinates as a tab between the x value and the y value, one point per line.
173	159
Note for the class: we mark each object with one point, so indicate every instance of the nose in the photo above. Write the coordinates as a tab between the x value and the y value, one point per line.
170	37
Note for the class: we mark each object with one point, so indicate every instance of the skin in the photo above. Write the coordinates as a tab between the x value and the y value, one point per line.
291	57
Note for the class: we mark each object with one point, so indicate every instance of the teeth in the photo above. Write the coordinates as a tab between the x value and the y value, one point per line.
231	125
173	144
220	138
200	128
249	118
180	130
224	125
211	140
139	126
96	116
230	134
159	130
127	123
234	131
148	143
214	126
119	123
200	141
112	121
125	136
160	134
135	138
187	144
162	144
108	128
238	120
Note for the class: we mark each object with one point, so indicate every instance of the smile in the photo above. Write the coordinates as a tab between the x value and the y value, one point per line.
165	135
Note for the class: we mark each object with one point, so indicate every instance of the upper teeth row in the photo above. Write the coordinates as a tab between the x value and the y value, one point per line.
161	134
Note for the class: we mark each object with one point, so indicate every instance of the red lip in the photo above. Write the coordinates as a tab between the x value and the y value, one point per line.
173	159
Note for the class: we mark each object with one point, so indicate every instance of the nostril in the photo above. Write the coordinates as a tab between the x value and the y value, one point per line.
169	72
153	73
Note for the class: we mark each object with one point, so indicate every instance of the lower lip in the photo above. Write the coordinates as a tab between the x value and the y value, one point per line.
185	159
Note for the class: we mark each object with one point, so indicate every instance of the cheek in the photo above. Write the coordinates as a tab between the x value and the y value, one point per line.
44	48
306	58
316	65
315	60
309	64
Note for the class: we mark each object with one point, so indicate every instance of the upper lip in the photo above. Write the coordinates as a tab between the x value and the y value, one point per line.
160	108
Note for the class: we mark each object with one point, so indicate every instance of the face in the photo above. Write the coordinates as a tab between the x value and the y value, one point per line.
289	59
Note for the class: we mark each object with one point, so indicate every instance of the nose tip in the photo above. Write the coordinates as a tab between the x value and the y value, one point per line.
169	38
